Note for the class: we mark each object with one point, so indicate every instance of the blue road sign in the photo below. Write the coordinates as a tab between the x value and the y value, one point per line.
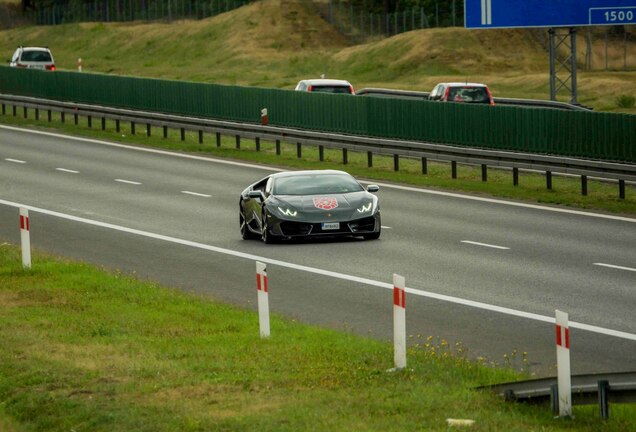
547	13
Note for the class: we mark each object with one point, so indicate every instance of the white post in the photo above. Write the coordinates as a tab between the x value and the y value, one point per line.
263	301
25	238
399	321
563	364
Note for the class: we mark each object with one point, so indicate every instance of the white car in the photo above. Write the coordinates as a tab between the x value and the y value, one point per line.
462	92
325	86
33	58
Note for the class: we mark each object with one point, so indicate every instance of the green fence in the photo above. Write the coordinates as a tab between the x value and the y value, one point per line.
605	136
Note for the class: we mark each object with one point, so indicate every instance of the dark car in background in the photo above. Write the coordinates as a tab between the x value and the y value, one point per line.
298	204
462	92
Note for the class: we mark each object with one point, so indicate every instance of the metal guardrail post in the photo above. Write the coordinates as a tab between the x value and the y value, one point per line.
257	142
548	180
554	399
299	150
584	185
238	141
396	162
603	398
454	170
424	165
369	159
218	139
484	172
321	153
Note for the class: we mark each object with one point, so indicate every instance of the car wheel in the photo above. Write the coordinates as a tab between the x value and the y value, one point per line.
266	235
246	234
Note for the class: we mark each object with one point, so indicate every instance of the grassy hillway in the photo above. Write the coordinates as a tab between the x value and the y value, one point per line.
275	43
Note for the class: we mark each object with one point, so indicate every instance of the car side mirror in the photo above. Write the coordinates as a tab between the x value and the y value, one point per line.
256	194
373	188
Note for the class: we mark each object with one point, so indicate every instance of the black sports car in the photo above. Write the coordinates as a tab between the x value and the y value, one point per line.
309	203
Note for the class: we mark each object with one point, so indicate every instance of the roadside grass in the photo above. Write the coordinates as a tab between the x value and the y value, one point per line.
88	350
566	191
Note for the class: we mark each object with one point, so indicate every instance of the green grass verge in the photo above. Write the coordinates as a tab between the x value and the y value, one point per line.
602	196
87	350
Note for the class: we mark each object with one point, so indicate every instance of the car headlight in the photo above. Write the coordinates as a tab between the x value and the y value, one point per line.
365	208
287	211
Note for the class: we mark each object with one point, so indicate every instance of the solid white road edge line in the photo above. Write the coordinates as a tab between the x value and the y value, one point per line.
615	267
143	149
485	245
329	273
384	185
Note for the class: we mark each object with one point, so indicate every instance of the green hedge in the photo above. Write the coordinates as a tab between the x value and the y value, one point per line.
606	136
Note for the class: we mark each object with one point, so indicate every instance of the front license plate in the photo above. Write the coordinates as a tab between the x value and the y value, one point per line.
331	225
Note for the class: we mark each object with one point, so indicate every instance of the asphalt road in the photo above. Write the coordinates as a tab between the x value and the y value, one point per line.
174	219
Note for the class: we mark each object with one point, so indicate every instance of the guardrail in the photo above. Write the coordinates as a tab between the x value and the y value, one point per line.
397	148
586	390
534	103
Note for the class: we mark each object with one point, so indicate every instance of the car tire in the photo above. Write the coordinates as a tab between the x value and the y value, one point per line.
372	236
246	234
266	235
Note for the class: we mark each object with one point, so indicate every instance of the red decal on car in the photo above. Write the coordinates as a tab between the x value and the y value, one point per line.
326	203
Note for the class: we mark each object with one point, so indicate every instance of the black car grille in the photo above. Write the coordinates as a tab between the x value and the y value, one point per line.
304	229
295	228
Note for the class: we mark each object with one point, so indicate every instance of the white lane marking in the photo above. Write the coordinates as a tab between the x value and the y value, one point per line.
196	194
67	170
386	227
329	273
615	267
15	161
384	185
484	245
127	181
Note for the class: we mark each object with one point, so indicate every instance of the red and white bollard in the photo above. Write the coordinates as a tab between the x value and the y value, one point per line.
563	364
399	321
264	116
25	238
263	301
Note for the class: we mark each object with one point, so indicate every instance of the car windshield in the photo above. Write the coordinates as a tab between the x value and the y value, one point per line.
315	184
468	94
36	56
331	89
